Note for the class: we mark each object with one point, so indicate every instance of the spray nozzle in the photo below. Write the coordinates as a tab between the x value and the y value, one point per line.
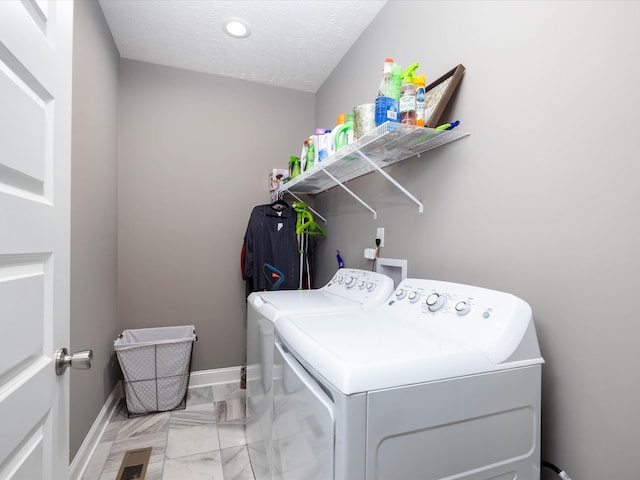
407	73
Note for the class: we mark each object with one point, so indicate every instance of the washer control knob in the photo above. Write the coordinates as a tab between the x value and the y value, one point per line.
361	284
400	294
414	296
462	308
435	302
350	282
340	279
371	286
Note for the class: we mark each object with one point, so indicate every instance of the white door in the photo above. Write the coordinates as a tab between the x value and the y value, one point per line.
35	143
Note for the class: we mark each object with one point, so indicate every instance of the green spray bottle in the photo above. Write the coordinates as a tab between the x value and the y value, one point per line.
396	82
294	167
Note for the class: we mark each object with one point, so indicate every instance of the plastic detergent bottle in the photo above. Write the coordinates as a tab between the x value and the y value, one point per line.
408	96
344	133
320	143
421	104
331	135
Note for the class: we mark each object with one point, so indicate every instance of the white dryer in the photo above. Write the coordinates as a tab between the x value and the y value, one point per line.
350	290
441	382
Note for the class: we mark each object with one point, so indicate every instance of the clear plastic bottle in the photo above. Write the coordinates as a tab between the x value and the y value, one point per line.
408	96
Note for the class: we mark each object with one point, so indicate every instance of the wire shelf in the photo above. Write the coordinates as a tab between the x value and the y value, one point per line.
387	144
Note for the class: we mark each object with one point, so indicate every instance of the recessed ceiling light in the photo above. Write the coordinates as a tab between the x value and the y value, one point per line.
236	27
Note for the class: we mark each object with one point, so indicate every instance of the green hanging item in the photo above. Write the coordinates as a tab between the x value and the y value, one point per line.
305	226
305	222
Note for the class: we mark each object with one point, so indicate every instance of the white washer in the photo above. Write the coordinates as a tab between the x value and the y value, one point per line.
441	382
350	290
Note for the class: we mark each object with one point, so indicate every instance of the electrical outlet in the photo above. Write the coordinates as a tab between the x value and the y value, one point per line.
380	235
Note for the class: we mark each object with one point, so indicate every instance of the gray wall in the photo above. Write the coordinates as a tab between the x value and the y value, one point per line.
93	215
541	200
195	152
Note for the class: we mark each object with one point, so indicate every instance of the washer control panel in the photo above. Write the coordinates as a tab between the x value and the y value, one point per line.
435	297
360	285
464	313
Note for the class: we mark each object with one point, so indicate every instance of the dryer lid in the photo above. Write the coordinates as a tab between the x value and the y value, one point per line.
404	342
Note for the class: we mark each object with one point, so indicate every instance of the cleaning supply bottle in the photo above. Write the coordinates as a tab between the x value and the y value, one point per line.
386	104
386	110
421	103
386	83
294	167
331	135
408	96
320	144
344	133
311	154
303	157
393	90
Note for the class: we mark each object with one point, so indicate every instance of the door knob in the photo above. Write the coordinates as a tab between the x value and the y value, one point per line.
80	360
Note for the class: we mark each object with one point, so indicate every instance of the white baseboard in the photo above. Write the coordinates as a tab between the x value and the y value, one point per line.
200	378
83	456
203	378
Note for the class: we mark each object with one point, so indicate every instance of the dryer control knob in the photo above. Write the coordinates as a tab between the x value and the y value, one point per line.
400	294
435	302
414	296
350	282
371	286
340	280
462	308
361	284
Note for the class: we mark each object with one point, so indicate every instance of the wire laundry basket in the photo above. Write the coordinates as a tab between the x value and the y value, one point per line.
155	364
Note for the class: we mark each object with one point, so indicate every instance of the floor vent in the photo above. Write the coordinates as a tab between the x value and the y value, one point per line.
134	464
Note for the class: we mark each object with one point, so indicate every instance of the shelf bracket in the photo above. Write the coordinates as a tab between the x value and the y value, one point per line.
392	180
338	182
312	210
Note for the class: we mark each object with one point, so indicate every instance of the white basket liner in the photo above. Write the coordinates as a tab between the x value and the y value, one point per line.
153	336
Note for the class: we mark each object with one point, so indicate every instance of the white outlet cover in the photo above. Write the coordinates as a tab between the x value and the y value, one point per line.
380	235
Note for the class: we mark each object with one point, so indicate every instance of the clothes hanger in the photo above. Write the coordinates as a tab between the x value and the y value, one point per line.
279	205
305	222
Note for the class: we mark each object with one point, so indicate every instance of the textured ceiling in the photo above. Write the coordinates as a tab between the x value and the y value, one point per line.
293	43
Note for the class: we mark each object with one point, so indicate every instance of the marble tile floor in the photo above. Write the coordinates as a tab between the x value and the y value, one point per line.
204	441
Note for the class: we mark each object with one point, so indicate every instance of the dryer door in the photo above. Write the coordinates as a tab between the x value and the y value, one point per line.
304	428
